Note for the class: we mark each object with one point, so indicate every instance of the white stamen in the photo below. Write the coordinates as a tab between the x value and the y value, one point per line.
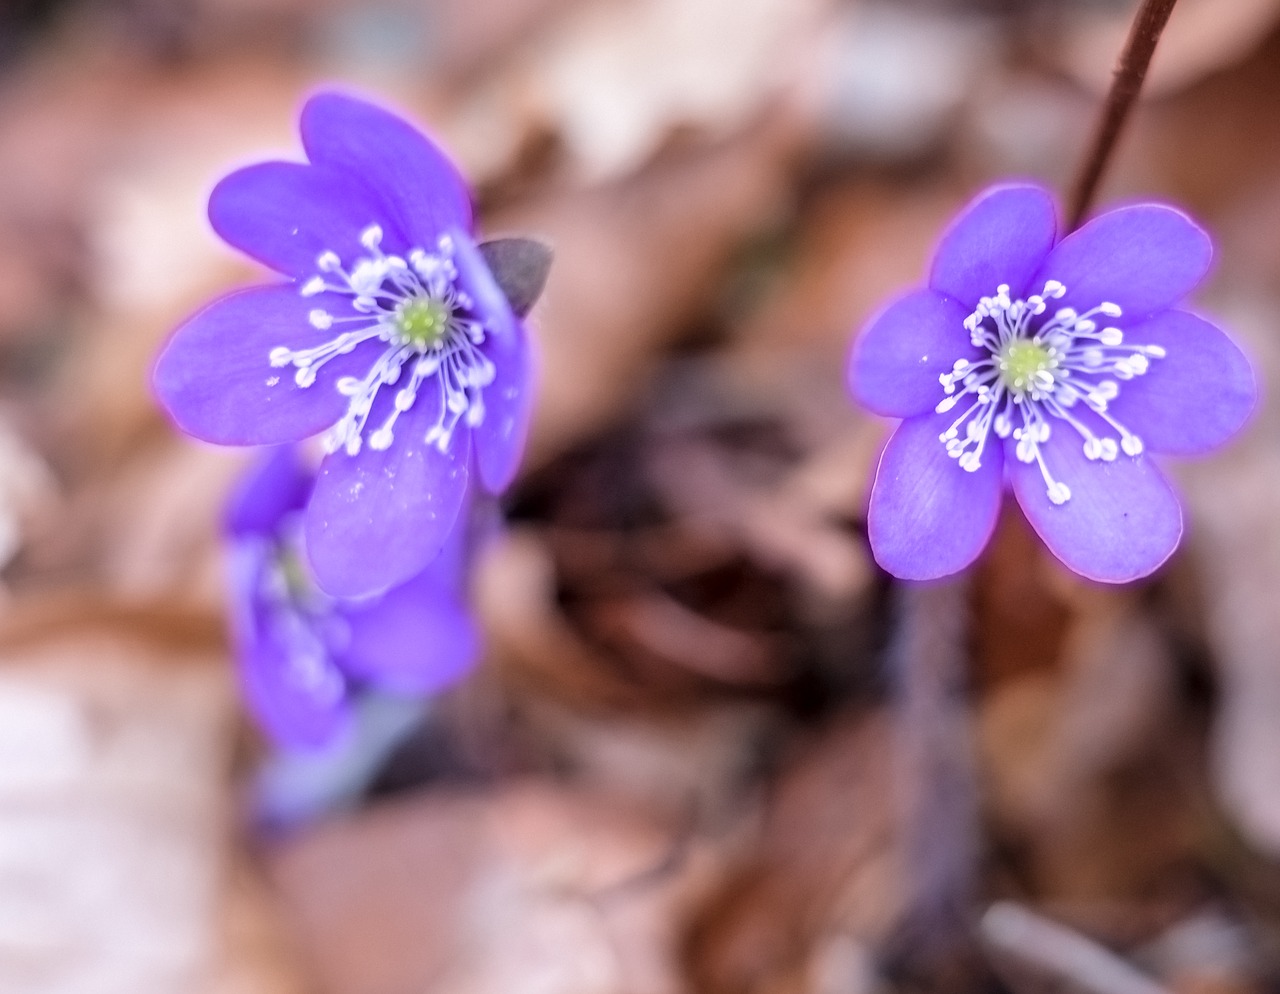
379	287
1035	372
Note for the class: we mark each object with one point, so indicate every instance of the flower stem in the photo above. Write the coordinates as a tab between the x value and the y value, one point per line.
1131	70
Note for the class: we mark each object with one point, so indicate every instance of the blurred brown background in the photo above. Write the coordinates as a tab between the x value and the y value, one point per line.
710	748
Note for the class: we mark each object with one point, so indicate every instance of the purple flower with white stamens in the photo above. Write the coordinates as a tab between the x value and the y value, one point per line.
1053	367
303	655
391	339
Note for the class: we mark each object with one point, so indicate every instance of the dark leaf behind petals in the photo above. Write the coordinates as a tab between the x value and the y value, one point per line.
521	267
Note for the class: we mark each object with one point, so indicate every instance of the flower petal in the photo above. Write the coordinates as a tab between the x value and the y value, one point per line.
288	712
1122	520
275	485
1145	258
1194	398
377	518
216	380
1001	237
897	360
928	517
290	684
284	214
416	639
500	438
422	189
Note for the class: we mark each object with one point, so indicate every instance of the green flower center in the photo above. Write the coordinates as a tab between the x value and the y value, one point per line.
297	580
1020	361
422	321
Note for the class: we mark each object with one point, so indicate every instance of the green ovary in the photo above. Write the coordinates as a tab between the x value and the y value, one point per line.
1020	361
422	321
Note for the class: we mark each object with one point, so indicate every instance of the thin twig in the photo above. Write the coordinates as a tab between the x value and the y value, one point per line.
1059	953
1130	72
937	775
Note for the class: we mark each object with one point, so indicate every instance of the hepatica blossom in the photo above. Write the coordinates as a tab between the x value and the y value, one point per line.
1052	367
390	338
304	656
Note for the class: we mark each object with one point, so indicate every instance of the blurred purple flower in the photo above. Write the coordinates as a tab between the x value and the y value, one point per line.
391	337
1053	367
303	655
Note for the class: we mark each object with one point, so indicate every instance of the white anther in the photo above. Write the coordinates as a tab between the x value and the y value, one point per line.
1079	363
377	288
368	276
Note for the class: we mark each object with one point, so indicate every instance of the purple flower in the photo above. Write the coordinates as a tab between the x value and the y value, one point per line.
1053	367
304	655
390	337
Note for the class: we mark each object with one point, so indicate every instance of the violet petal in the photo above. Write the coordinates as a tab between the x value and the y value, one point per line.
1144	258
897	360
422	189
417	638
1122	520
1001	237
285	214
300	711
500	438
377	518
216	380
1194	398
276	484
928	517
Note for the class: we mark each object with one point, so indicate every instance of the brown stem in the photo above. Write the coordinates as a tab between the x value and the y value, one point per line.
1130	72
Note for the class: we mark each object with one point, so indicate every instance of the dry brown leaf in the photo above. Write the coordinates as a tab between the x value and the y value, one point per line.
114	780
531	888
